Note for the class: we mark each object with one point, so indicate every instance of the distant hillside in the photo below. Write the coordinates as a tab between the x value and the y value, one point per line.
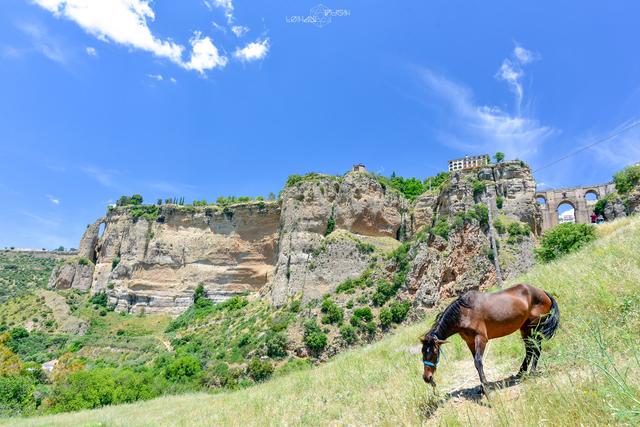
590	370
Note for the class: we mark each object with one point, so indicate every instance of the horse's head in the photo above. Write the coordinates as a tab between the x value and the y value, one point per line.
430	356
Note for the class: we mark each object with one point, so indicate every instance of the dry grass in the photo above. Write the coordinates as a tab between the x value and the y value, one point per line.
590	370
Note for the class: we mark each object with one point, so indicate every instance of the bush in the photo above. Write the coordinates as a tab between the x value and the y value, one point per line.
314	338
348	334
100	299
399	310
115	262
499	202
102	386
441	228
563	239
16	395
259	370
276	344
627	179
478	187
348	286
333	313
385	317
499	226
361	314
331	225
183	368
383	293
499	157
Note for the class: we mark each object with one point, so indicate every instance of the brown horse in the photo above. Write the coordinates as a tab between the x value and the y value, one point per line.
479	317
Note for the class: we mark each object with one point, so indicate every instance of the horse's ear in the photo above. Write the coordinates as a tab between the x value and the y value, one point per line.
440	342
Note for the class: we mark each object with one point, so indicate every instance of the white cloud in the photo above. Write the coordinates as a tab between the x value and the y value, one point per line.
91	51
225	5
53	200
105	177
239	30
253	51
204	55
173	80
125	22
474	128
156	77
511	71
121	21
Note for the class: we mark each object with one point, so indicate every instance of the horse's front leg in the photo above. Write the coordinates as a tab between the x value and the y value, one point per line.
477	345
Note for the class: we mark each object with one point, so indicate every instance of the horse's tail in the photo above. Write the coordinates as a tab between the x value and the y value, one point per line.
551	321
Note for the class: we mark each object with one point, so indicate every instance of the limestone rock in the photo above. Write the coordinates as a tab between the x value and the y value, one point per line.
71	275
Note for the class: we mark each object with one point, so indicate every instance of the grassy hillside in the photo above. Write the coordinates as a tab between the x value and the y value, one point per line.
22	273
590	370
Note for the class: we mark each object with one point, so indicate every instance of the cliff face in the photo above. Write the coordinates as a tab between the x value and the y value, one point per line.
444	266
323	230
358	205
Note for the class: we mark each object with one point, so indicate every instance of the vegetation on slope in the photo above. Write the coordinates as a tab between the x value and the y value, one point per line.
590	370
22	273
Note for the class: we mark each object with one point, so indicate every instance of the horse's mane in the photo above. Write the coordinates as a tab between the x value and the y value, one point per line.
450	316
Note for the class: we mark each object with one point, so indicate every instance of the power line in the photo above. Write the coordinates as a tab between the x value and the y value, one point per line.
586	147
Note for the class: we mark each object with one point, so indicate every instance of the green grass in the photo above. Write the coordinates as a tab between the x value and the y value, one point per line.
590	370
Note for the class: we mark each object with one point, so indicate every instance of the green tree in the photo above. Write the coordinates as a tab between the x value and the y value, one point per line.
499	157
16	395
276	344
627	179
136	200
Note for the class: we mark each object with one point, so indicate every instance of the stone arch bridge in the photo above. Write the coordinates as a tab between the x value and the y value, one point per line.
550	200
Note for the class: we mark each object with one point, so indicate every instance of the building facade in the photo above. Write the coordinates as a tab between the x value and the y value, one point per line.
468	162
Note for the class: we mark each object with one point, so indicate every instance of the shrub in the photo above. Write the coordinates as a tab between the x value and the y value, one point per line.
627	179
333	313
348	286
83	261
365	248
563	239
115	262
183	368
259	370
100	299
399	310
293	180
276	344
435	182
441	228
384	291
314	338
331	225
348	334
499	226
363	313
385	317
478	187
16	395
499	157
499	202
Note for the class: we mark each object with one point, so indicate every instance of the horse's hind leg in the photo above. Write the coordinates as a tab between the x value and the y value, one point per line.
536	344
525	331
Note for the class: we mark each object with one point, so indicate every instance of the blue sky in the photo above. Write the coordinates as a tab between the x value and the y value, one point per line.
207	98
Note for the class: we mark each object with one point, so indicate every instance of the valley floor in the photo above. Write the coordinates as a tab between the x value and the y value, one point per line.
590	372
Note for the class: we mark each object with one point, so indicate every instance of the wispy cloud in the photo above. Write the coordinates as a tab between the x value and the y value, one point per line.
53	200
512	71
91	51
106	177
253	51
125	22
42	42
474	127
239	30
623	150
156	77
47	222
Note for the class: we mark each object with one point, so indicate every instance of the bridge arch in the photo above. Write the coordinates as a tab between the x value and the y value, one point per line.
591	195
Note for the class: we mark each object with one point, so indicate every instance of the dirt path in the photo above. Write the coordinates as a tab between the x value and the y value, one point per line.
67	322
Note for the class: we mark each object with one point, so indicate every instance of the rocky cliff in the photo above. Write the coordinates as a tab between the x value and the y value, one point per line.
322	231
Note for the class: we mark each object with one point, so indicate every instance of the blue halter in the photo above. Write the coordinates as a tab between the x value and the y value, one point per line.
431	364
